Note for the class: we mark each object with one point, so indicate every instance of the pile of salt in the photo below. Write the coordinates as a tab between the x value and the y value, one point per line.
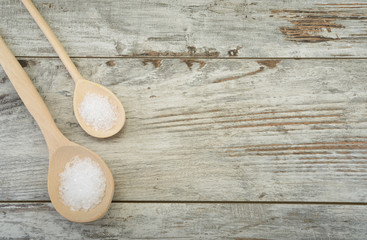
97	111
82	184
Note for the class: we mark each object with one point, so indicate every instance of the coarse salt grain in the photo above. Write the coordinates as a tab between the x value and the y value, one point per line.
97	111
82	184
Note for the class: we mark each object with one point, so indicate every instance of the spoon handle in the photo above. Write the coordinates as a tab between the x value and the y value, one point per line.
53	40
31	98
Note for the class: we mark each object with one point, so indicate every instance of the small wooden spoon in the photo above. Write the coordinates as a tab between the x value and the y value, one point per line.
61	150
82	86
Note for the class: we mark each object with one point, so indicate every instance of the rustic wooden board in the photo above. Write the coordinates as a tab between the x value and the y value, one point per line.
209	130
200	28
189	221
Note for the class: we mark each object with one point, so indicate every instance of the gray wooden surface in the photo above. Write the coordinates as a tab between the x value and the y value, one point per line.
190	221
245	119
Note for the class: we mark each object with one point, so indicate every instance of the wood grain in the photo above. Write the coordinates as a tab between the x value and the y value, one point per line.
200	28
220	130
189	221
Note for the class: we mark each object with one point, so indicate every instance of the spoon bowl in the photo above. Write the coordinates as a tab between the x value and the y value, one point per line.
58	160
83	87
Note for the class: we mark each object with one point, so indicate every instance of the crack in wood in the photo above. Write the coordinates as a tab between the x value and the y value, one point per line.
309	26
191	52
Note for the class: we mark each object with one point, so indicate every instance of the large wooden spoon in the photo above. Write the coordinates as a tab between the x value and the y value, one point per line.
82	86
61	150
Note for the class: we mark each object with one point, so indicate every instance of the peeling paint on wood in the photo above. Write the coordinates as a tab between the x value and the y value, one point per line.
309	26
190	63
110	63
155	62
269	63
204	29
234	52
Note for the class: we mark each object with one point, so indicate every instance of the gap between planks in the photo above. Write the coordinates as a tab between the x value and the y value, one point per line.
210	202
201	57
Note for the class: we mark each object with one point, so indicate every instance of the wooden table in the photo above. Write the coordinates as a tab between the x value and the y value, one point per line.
246	119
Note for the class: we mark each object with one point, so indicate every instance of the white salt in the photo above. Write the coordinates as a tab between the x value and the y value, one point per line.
82	184
98	111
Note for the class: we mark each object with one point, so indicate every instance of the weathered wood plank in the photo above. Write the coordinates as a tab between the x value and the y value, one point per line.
201	28
226	130
189	221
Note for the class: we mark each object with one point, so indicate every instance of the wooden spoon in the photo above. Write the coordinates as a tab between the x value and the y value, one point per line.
82	86
61	150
